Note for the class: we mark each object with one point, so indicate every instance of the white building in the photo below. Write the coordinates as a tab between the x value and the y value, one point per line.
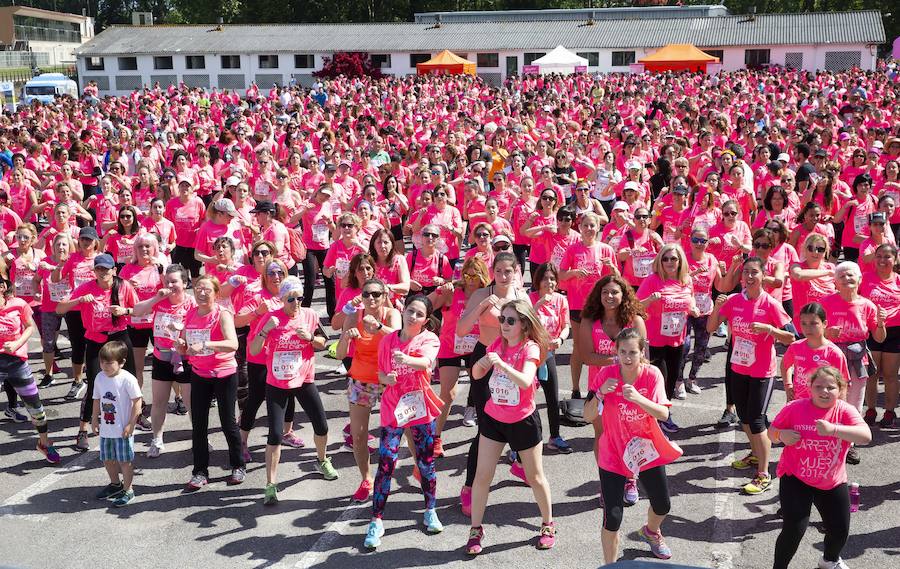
124	58
31	37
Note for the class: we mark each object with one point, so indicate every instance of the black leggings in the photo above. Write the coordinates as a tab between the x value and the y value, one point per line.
796	501
668	359
521	253
256	394
224	389
185	257
312	265
11	394
551	394
612	485
75	327
729	396
480	392
240	357
277	400
92	368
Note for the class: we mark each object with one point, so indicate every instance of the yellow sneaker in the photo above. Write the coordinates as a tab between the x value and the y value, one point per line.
758	485
748	461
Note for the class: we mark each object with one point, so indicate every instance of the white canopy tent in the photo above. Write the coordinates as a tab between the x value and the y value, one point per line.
560	60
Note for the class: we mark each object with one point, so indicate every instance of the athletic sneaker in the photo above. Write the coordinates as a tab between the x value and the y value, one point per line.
560	445
547	537
213	403
887	421
156	448
518	471
197	482
123	500
470	418
111	491
631	492
870	415
271	496
49	453
180	407
238	475
692	387
292	440
728	419
81	442
748	461
721	331
465	501
143	423
245	454
758	485
657	544
370	439
438	447
473	546
374	534
431	521
839	564
363	493
326	469
680	392
47	381
853	456
77	391
14	414
669	426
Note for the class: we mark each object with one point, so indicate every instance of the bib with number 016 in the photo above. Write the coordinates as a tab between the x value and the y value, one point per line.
503	391
411	407
320	233
744	351
703	301
197	336
285	365
165	326
638	452
642	265
673	323
464	345
59	291
342	266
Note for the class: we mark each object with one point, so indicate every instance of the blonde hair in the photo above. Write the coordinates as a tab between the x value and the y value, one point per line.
815	238
833	373
479	267
682	275
532	329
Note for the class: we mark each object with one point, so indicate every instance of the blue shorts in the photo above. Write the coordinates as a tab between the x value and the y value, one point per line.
117	449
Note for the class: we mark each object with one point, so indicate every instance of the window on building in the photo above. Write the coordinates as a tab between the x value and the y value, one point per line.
622	58
488	60
94	64
304	61
417	58
381	60
41	29
593	57
756	57
231	62
268	62
716	53
127	64
163	62
529	57
195	61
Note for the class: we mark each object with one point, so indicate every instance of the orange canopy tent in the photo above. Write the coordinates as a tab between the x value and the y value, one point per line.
678	57
446	62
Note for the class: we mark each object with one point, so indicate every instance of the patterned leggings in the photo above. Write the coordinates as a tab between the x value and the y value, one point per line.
16	373
423	439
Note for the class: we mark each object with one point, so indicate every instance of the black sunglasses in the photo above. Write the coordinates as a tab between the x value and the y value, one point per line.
815	249
507	320
372	294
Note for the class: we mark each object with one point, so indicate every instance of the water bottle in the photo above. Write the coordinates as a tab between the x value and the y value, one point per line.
854	497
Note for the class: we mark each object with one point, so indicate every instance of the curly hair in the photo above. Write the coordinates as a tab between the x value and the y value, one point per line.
630	307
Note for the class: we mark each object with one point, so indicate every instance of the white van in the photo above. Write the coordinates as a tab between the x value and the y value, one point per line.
46	86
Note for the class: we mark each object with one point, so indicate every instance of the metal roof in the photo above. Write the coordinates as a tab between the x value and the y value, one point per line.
864	26
618	13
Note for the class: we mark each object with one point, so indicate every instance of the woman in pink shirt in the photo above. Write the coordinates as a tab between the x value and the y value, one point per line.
854	214
144	273
817	433
755	321
406	358
705	272
336	264
220	222
882	286
879	234
209	341
288	339
119	242
187	212
638	248
509	367
51	294
390	265
317	218
731	236
813	276
428	267
157	224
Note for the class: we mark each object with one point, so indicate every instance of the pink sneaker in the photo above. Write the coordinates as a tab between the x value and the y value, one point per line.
292	440
473	546
245	454
547	538
465	500
519	472
363	493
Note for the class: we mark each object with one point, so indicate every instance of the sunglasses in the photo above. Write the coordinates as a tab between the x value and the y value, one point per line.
372	294
347	225
501	247
669	259
642	216
262	253
699	241
275	273
566	219
876	223
440	195
430	235
729	213
815	249
482	234
470	277
511	321
582	189
762	245
293	299
548	198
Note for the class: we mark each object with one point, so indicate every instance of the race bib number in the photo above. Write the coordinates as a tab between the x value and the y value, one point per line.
638	452
285	365
860	223
25	285
503	391
704	302
557	256
166	326
342	267
411	407
59	291
743	352
261	188
196	336
464	345
673	323
320	233
145	319
642	266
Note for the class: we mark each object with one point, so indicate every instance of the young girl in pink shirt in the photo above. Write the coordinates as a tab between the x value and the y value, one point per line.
804	357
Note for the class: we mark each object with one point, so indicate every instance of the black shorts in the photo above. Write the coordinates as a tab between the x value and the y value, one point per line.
455	361
751	400
891	344
140	337
575	316
163	371
521	435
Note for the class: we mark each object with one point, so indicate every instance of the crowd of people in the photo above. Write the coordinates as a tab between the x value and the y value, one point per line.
462	229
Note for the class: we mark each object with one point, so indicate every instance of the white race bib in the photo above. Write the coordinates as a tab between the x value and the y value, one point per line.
342	266
197	336
860	223
673	323
638	452
59	291
642	265
464	345
744	351
261	188
411	407
503	391
704	302
285	365
557	256
25	286
145	319
320	233
166	326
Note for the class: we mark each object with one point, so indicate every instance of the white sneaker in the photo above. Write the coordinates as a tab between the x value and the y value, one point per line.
156	448
839	564
469	417
679	391
693	388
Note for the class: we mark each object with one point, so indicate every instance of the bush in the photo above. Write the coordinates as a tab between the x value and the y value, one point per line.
348	64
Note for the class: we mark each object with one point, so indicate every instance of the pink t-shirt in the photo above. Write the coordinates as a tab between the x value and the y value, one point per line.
885	294
96	315
812	290
632	440
702	281
510	403
146	281
639	265
854	319
453	346
290	360
339	257
168	320
187	218
815	460
580	256
23	275
13	316
806	360
554	315
200	328
726	250
667	317
52	293
121	247
252	298
424	270
411	400
603	345
753	353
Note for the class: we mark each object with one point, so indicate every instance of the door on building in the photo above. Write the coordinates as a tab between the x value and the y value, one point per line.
512	65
